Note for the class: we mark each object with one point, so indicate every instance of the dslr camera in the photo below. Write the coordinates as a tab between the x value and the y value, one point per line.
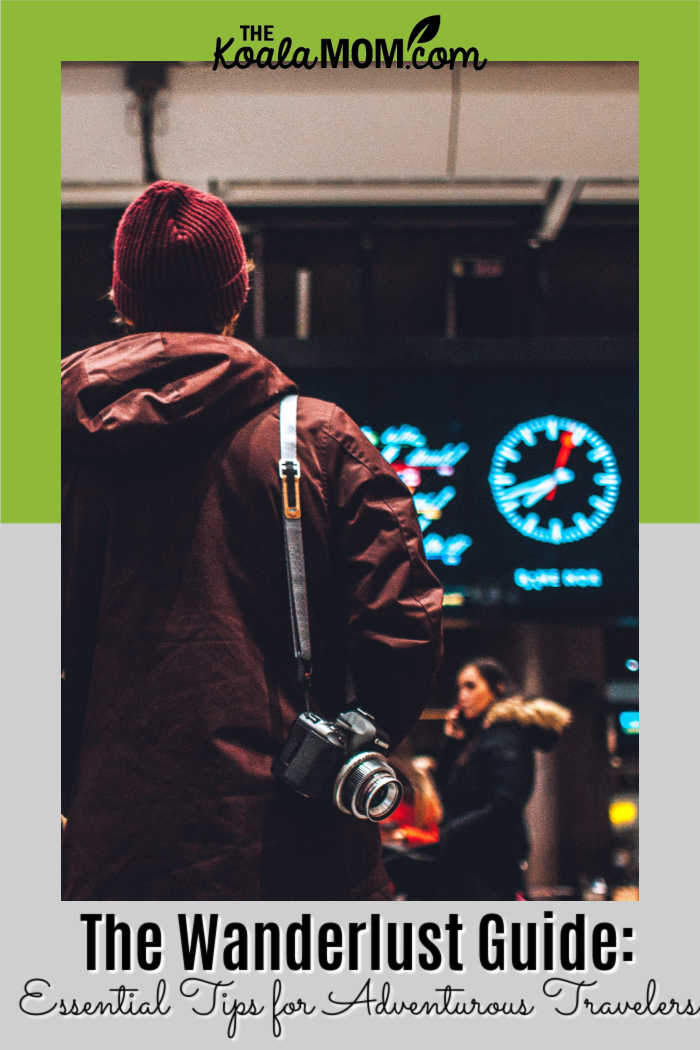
342	759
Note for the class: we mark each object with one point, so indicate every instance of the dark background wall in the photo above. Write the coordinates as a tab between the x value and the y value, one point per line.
417	288
384	273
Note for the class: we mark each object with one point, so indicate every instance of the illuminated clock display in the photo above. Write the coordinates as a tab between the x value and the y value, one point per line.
554	479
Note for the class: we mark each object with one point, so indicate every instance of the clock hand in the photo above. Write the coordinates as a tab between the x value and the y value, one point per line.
565	447
537	487
560	477
527	486
537	494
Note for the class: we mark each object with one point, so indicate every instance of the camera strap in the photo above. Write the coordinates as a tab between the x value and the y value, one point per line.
290	475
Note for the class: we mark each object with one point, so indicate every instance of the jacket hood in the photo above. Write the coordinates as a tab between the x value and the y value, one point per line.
145	391
544	718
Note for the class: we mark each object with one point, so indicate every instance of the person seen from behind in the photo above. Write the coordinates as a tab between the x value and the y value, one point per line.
180	680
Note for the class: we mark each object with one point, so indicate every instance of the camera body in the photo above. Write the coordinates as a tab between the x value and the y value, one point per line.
344	759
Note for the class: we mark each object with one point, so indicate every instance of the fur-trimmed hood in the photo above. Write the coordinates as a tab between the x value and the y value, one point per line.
545	718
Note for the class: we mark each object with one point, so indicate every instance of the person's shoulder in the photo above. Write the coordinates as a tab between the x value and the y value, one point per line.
332	415
535	722
505	735
313	411
95	351
342	432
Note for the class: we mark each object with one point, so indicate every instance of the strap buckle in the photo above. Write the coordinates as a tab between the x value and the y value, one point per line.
290	473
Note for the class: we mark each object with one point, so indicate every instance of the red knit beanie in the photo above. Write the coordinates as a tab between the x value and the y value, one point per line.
179	261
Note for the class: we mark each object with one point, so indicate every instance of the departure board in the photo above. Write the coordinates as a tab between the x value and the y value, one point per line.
525	486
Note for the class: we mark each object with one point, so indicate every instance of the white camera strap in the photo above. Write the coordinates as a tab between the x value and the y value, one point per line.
290	475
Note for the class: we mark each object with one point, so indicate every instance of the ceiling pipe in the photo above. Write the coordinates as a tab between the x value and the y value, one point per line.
146	79
562	196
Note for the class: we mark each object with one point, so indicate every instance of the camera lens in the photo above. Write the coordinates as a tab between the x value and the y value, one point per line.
367	787
383	797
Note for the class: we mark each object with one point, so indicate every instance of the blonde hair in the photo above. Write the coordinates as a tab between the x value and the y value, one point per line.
427	807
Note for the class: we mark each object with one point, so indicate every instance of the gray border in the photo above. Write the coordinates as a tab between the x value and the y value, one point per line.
46	937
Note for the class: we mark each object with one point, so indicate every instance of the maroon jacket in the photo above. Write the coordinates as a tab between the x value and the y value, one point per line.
179	682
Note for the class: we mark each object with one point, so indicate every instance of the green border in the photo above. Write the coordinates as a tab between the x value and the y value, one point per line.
661	35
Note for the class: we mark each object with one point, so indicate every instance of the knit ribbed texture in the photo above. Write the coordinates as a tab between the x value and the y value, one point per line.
179	261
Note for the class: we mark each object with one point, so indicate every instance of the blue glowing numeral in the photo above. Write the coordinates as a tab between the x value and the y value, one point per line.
404	435
447	550
448	455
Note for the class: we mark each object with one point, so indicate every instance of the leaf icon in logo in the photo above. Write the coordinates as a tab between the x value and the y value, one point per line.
424	31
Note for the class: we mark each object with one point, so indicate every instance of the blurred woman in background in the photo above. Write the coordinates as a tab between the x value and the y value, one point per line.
486	776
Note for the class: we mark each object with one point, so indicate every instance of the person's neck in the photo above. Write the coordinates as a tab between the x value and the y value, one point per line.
472	726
